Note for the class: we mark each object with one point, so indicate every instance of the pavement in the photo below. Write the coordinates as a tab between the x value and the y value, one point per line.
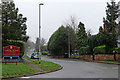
78	69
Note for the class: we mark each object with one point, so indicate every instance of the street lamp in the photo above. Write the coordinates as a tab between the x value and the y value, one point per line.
39	28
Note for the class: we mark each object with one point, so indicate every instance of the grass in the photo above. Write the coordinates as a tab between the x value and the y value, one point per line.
48	66
11	69
44	65
111	62
0	70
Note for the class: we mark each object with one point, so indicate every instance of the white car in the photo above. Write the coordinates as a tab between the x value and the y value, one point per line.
35	56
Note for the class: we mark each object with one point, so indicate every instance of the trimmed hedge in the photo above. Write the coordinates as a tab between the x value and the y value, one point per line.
100	49
15	43
117	50
45	53
84	50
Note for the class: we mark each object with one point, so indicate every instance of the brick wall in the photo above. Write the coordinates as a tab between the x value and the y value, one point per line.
98	57
85	57
117	56
104	57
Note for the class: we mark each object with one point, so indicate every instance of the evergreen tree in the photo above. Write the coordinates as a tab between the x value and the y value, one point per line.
110	21
81	36
58	43
100	30
13	24
92	42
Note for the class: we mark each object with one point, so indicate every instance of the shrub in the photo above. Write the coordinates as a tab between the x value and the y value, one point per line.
117	50
84	50
100	49
45	53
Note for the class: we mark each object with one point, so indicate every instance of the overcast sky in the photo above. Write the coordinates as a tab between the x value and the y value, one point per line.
55	13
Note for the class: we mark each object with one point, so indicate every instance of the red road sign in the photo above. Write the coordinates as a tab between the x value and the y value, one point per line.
11	51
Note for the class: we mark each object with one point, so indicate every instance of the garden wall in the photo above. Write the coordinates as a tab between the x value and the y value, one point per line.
98	57
104	57
85	57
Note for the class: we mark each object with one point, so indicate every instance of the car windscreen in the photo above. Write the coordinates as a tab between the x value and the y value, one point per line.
36	53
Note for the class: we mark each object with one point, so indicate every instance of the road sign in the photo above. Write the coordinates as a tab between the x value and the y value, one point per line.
11	58
11	54
11	51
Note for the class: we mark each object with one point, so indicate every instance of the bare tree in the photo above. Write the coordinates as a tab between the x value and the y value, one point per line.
43	42
29	45
71	22
72	30
89	31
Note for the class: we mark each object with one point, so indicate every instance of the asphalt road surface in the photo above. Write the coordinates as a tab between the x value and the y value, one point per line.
79	69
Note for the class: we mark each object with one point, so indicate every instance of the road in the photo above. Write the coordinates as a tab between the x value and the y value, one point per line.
79	69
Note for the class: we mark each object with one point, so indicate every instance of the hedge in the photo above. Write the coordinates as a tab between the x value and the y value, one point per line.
84	50
117	50
15	43
100	49
45	53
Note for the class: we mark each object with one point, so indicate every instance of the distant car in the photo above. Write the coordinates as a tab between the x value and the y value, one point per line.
75	54
35	56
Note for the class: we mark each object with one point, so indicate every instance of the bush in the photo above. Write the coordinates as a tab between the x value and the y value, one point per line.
117	50
84	50
15	43
45	53
100	49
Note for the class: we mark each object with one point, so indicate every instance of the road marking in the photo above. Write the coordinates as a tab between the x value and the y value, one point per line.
25	77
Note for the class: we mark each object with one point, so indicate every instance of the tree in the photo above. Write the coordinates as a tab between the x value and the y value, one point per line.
89	32
13	24
81	40
72	22
71	39
104	38
37	45
29	45
110	21
71	26
58	43
93	42
42	44
119	29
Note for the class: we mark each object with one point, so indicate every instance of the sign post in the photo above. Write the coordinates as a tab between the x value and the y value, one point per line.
11	54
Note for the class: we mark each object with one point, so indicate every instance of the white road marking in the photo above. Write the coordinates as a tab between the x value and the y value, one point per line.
25	77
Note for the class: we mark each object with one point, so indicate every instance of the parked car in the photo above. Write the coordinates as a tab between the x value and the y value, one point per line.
75	54
35	56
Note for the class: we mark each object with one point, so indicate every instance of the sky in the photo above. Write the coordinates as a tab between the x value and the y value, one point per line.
54	13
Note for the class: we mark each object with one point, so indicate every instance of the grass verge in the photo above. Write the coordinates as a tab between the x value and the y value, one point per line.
21	69
44	65
110	62
12	70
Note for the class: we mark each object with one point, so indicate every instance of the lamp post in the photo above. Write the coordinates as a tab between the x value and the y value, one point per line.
39	28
